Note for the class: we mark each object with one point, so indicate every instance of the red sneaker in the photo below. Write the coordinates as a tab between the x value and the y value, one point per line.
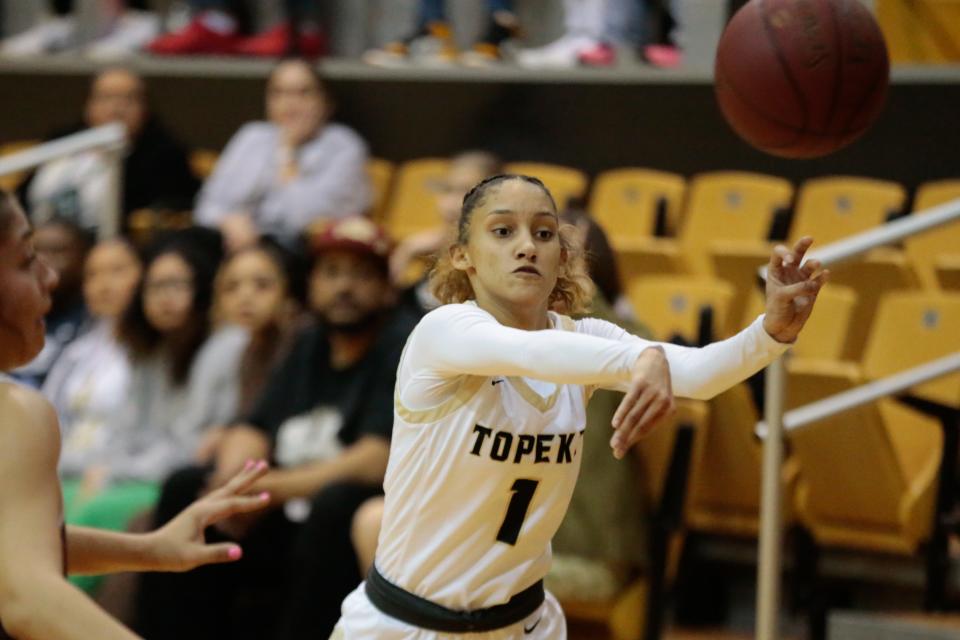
277	42
196	37
599	55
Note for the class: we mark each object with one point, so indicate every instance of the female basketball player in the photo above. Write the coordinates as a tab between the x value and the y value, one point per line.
35	550
490	402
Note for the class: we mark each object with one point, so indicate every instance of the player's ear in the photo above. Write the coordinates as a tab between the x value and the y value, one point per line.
459	257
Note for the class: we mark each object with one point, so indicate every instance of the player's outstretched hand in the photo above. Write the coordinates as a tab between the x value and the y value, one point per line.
649	399
792	288
180	545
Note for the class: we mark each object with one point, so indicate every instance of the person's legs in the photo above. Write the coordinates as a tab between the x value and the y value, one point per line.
323	566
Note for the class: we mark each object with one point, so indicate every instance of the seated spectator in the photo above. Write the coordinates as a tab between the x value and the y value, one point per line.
183	380
262	289
217	28
64	246
88	385
156	173
324	418
466	169
278	177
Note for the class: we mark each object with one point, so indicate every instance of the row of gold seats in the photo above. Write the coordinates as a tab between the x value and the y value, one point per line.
863	480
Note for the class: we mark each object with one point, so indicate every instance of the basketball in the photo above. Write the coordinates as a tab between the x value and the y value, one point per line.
801	78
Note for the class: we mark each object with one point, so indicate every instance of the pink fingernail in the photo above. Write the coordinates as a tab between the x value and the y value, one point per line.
264	496
235	553
261	465
248	465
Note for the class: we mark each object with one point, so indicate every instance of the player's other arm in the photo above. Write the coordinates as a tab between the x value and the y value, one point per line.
35	601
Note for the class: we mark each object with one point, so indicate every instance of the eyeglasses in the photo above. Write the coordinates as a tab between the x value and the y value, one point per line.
170	286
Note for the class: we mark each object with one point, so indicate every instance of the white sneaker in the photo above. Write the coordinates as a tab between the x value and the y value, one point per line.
131	33
51	34
559	54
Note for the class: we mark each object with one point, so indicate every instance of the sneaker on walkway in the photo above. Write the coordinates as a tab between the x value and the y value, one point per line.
665	56
132	32
206	33
562	53
52	34
600	55
279	41
431	46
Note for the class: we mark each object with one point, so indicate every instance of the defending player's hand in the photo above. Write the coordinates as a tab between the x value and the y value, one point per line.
792	288
180	545
649	399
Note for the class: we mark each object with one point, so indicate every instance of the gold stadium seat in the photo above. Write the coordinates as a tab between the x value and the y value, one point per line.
829	326
866	478
729	206
672	305
948	272
564	183
926	249
380	172
832	208
625	202
203	161
413	205
721	207
12	181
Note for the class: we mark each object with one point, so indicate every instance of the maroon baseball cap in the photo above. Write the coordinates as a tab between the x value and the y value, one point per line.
355	233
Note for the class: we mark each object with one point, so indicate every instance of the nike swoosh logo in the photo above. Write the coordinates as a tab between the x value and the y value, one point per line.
530	630
496	382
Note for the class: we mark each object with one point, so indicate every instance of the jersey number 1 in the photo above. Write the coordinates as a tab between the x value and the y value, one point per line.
523	491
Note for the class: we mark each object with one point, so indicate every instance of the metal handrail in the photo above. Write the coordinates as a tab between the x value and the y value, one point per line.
110	138
864	394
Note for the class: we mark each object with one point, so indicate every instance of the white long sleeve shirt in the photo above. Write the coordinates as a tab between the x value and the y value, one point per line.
487	437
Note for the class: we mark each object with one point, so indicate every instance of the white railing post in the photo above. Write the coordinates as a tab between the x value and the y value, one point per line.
110	139
771	534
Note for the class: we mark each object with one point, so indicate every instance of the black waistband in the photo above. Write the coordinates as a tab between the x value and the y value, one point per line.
420	612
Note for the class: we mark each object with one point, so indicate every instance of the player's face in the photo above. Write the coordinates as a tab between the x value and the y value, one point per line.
26	283
168	293
110	278
295	102
117	96
347	289
252	290
513	254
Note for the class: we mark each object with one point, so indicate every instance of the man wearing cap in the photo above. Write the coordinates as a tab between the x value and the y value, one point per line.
324	418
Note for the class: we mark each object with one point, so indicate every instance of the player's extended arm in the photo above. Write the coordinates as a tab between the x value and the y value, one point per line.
36	602
177	546
461	339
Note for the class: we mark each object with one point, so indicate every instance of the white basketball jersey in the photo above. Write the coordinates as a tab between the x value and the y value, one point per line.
478	486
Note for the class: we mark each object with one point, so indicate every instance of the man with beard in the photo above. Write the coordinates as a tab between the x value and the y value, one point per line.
324	418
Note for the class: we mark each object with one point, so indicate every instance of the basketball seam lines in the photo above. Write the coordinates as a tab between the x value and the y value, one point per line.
787	72
838	66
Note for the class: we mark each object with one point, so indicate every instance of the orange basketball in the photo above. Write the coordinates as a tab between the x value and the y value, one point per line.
801	78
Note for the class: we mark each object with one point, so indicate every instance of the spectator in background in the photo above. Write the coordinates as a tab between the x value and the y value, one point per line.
432	41
156	173
216	28
64	246
324	418
89	383
262	289
183	380
466	169
280	176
